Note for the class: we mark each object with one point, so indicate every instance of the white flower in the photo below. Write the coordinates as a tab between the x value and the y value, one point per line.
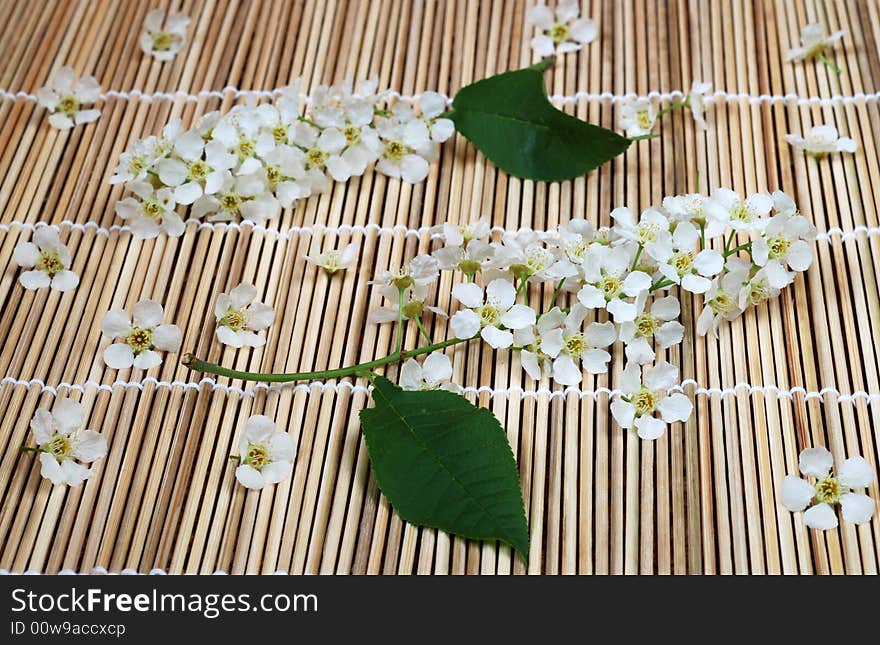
265	456
721	301
680	263
413	304
436	369
563	33
163	43
783	244
462	234
651	229
400	158
658	323
530	340
829	491
756	290
696	101
65	96
141	336
335	260
471	260
813	42
637	118
821	140
239	317
526	257
611	281
153	215
570	347
61	441
727	208
487	312
50	260
640	400
422	270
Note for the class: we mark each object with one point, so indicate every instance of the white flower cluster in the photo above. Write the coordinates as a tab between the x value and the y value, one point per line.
257	159
615	280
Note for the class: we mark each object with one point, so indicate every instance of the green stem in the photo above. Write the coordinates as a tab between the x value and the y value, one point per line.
556	293
703	234
828	63
421	327
729	241
29	449
400	291
662	282
644	137
670	108
544	64
637	258
742	247
309	121
445	115
198	365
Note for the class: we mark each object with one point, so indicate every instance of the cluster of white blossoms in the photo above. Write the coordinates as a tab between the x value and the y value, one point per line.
609	286
257	159
66	97
61	443
162	38
826	491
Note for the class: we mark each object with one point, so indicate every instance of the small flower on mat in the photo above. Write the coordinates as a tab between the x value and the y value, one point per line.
489	312
657	323
239	317
163	43
783	244
641	399
65	97
828	490
50	260
637	118
61	442
820	141
265	456
431	375
140	337
696	101
562	33
571	347
814	42
153	214
336	260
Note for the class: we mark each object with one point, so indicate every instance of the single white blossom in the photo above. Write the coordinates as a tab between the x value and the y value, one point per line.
141	336
727	208
422	270
239	317
487	312
431	375
563	32
609	282
829	490
154	214
821	140
265	456
756	290
641	399
61	442
658	323
721	301
473	259
335	260
160	41
570	346
65	97
783	244
696	101
414	306
813	42
50	260
680	262
637	118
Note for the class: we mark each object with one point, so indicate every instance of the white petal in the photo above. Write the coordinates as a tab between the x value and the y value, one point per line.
116	324
86	116
26	254
172	172
622	311
468	294
636	282
595	361
414	169
566	371
259	429
815	462
639	351
591	297
34	279
437	367
661	376
855	472
276	472
856	508
777	276
147	360
709	262
675	407
584	31
119	356
465	324
695	283
552	342
89	446
167	338
649	427
243	295
800	256
541	16
518	317
411	375
796	493
42	426
249	477
497	338
51	469
600	334
623	412
260	316
65	281
820	517
543	45
503	291
667	308
69	415
530	364
669	334
147	314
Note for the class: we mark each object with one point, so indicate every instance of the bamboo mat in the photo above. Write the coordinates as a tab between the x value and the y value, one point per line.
703	498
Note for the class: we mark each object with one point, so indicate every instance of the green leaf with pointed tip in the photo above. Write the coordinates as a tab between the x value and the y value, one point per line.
445	463
510	119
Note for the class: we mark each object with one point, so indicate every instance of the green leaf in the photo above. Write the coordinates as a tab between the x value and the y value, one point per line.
445	463
509	118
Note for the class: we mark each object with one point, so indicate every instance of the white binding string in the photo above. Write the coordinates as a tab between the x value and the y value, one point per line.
431	231
675	95
345	386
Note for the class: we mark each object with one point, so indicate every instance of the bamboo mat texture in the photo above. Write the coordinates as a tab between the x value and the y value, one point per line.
803	370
